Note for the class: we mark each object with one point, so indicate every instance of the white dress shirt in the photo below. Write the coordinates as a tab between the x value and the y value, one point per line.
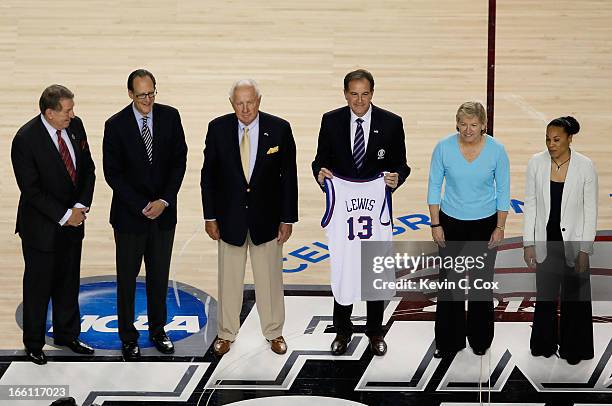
139	117
253	138
367	120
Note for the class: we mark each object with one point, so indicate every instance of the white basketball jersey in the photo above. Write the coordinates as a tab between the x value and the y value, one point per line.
357	210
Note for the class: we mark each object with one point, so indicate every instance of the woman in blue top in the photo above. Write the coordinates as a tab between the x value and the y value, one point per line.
475	171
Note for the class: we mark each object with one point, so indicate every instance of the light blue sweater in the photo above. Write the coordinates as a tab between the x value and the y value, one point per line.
473	190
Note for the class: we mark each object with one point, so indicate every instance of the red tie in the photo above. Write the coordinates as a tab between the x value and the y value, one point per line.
65	154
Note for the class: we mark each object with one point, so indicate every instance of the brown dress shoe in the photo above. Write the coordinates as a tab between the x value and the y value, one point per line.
221	346
278	345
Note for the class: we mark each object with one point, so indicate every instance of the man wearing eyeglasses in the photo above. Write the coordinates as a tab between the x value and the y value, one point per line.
144	159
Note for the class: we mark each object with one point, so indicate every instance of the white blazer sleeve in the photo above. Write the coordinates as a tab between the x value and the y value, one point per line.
590	208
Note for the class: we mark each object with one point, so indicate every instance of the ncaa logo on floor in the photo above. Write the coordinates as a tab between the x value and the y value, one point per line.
187	313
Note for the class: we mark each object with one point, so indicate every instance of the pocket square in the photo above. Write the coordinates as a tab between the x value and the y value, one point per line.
272	150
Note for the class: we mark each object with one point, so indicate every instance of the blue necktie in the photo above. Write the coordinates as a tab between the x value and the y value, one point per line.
359	145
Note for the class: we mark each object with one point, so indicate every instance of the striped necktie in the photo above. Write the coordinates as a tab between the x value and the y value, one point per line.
147	138
359	145
65	155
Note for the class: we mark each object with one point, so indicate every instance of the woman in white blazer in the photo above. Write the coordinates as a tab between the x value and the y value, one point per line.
560	222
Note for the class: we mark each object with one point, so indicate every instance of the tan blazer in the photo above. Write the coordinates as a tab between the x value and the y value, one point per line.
578	205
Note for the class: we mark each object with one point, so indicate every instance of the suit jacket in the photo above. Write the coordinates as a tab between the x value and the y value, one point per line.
578	205
47	191
269	198
135	181
385	151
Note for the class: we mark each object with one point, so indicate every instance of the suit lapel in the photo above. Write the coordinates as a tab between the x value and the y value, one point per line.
373	136
546	185
233	144
134	131
262	144
345	130
568	187
77	151
157	135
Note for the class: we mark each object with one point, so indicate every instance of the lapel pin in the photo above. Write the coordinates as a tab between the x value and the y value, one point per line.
375	131
266	134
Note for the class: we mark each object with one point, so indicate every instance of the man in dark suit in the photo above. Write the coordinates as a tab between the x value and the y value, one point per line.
360	141
144	158
55	174
249	195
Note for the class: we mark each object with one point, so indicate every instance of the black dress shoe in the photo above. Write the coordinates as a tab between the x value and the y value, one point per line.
573	360
69	401
36	356
130	351
340	344
539	353
77	346
378	346
443	354
479	351
163	343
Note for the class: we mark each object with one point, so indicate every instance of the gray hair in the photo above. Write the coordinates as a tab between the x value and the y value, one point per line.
241	83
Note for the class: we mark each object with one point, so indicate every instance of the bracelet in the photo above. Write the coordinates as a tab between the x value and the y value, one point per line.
500	227
435	225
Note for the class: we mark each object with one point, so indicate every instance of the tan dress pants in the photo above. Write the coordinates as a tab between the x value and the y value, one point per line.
266	261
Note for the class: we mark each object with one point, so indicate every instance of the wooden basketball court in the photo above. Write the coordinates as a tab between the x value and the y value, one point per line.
553	58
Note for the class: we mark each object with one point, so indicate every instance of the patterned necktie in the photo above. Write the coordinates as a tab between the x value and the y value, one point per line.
359	145
245	152
147	138
65	155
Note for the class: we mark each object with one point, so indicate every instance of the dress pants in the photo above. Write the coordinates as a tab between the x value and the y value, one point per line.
155	246
374	311
573	330
466	237
267	264
52	275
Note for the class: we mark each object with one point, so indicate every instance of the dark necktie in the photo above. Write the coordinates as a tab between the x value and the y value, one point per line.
359	145
147	138
65	154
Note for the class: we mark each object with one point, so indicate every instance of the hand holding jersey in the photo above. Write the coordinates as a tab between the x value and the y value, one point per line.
356	211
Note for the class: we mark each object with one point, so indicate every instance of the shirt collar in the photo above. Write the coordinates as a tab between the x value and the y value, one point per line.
242	126
52	130
366	117
139	116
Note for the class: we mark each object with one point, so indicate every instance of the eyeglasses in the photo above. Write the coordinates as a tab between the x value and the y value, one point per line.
143	96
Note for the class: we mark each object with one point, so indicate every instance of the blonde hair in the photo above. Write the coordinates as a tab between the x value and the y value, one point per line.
472	109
